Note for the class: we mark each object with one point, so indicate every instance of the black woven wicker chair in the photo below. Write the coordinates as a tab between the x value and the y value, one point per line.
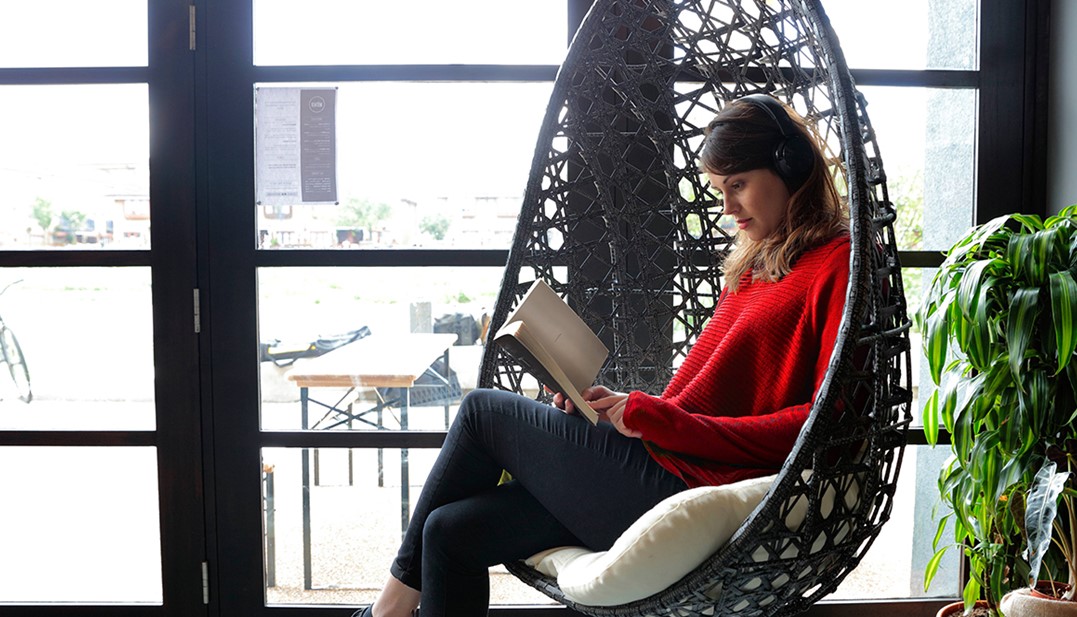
616	217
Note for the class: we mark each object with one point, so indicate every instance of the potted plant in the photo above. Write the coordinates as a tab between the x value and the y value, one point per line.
1000	333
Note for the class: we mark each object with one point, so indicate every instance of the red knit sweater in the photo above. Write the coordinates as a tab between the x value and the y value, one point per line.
735	407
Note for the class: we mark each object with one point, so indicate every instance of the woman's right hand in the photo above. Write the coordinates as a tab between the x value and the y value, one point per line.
593	393
610	406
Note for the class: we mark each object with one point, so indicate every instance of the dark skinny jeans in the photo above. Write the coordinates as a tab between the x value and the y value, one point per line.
573	484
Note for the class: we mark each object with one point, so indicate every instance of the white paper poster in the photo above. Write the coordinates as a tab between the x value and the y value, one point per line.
295	146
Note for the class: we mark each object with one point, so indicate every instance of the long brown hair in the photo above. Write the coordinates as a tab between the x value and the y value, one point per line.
743	137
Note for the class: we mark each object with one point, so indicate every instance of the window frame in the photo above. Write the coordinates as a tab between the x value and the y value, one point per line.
207	393
1006	169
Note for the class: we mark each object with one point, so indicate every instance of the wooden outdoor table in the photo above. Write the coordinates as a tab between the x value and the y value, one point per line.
395	361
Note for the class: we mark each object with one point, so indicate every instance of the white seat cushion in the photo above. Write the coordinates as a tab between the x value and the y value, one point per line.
665	544
673	538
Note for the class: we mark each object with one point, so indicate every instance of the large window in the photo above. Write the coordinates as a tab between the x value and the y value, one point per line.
99	415
396	241
174	434
415	174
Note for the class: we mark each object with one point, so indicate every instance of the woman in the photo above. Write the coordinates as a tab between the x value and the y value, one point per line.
765	351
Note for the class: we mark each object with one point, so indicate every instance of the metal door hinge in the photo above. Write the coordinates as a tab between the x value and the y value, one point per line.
191	31
205	582
197	312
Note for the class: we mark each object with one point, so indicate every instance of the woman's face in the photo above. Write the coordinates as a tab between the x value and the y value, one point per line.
757	199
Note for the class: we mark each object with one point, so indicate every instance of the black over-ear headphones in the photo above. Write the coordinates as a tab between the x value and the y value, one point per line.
794	157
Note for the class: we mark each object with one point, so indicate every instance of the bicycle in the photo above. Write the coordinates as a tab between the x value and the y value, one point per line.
11	353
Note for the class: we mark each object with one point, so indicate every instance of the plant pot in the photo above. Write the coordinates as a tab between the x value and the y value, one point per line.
1032	603
956	609
1050	590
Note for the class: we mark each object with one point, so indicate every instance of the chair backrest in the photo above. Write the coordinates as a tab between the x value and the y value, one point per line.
617	219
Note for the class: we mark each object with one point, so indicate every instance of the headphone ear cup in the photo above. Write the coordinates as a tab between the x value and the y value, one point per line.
794	159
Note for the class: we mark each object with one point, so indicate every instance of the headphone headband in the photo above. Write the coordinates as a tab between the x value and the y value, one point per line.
794	157
770	106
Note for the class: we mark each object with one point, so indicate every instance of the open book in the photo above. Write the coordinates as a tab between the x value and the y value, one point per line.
552	343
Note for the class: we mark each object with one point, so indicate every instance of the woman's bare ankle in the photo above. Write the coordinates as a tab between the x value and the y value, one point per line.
396	600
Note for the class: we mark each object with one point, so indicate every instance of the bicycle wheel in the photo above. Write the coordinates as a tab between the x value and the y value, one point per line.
16	364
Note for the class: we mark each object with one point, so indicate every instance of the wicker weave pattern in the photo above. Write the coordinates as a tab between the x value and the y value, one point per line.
617	219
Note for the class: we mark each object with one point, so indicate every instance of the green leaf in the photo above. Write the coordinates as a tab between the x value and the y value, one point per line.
948	401
963	435
986	463
1010	475
971	245
968	389
1035	400
1073	252
981	342
1063	317
968	292
998	379
1030	222
938	533
932	567
935	344
1019	256
971	593
1032	254
1020	324
1053	249
949	476
931	418
1043	251
960	327
998	575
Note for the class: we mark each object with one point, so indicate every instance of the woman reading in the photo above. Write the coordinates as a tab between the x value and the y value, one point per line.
732	411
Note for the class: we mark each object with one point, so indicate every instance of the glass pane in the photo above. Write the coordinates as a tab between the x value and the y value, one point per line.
894	567
80	525
912	34
927	140
79	345
355	522
349	561
74	167
305	312
416	32
917	282
409	177
73	33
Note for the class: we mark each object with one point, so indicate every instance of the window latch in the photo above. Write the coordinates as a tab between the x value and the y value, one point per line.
197	312
191	32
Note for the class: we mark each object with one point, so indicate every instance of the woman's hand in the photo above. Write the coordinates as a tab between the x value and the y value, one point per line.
590	395
610	406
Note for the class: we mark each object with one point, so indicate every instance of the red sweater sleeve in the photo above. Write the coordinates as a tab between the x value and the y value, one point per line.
752	441
747	401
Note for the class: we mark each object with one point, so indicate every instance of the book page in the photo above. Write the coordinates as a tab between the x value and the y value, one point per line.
554	344
516	338
567	339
